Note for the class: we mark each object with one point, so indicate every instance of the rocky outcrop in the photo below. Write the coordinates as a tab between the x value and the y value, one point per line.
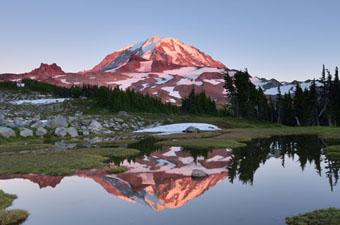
47	70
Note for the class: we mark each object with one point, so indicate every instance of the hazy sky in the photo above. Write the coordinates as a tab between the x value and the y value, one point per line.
284	39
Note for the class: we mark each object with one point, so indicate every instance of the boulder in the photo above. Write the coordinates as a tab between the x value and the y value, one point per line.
2	119
26	132
62	146
72	132
85	133
123	113
61	131
7	132
37	124
58	121
95	126
19	122
192	130
196	173
41	131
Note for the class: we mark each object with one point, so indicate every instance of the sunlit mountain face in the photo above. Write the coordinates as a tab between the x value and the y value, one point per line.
162	67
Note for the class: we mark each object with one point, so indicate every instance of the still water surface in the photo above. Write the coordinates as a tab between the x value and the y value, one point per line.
258	185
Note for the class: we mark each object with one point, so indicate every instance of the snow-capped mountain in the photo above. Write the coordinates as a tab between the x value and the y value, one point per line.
155	53
162	67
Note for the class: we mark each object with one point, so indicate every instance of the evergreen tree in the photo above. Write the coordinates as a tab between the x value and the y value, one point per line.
312	117
246	94
336	97
232	102
279	108
299	106
198	104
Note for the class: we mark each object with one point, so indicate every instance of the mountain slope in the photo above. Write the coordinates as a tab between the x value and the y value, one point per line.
163	67
168	51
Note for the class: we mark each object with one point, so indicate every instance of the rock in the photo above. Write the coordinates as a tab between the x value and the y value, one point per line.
19	122
192	130
196	173
72	132
37	124
26	132
71	119
123	113
61	131
95	126
58	121
7	132
2	119
119	120
62	146
85	133
10	123
41	131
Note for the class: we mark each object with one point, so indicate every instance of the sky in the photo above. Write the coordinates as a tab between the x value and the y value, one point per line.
287	40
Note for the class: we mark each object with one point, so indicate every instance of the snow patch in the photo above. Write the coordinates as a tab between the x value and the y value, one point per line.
131	79
214	81
64	81
58	76
172	151
179	128
39	101
172	92
186	81
164	79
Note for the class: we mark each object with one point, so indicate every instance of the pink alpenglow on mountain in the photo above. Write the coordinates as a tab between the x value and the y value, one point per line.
162	67
156	55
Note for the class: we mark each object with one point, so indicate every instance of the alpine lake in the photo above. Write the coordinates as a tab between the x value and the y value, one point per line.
262	183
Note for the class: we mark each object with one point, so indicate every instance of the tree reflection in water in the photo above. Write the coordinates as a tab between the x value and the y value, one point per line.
304	149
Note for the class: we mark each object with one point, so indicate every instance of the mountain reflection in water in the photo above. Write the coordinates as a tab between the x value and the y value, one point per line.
162	179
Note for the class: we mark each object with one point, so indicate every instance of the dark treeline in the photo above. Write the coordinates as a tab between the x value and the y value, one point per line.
116	100
244	99
112	99
318	105
198	104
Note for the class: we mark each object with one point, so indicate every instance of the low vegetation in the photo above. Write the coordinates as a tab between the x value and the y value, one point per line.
61	163
10	217
330	216
117	169
333	152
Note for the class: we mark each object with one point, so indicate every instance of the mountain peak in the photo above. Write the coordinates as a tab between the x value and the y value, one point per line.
47	69
165	51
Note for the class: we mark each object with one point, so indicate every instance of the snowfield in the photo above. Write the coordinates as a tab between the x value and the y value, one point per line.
40	101
172	92
178	128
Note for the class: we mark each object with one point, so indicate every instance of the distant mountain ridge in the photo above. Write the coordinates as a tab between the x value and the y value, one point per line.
163	67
